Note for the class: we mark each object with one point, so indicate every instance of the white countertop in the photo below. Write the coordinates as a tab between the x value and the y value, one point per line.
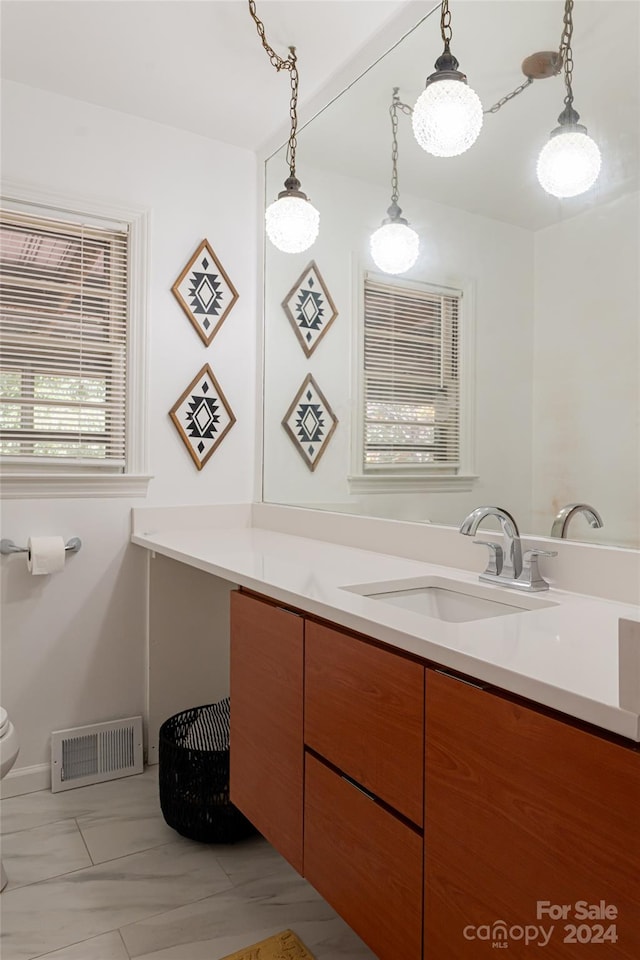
564	656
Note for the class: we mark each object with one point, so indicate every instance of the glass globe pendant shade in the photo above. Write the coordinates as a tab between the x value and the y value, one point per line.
569	162
292	222
447	116
394	245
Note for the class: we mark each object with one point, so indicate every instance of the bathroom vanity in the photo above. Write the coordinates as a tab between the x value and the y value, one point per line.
365	767
449	787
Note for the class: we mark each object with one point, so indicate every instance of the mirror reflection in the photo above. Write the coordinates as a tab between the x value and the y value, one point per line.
502	367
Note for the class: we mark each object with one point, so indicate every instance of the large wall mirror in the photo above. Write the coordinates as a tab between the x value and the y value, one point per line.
537	336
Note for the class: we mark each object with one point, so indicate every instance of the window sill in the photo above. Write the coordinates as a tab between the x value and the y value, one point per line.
38	486
398	483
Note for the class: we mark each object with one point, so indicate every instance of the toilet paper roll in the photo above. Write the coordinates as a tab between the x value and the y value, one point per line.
45	555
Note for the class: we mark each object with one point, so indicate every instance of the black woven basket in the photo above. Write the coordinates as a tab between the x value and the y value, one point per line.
194	776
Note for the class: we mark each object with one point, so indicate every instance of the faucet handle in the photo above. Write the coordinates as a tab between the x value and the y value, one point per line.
532	554
531	577
496	556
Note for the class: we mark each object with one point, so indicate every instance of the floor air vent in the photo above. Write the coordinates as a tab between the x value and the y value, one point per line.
92	754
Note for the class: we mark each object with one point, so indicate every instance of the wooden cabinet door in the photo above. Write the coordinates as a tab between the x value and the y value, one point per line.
364	712
524	814
267	753
365	862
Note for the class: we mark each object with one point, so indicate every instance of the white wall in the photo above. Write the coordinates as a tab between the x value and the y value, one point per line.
587	361
188	641
73	645
496	257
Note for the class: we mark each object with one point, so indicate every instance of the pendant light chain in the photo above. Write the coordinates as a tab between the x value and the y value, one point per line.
394	147
293	111
393	112
396	104
445	24
280	63
565	50
509	96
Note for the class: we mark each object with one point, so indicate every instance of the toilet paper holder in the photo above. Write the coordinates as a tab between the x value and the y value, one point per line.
8	546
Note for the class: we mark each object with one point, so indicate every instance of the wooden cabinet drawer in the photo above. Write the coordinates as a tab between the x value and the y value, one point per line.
364	712
365	862
267	752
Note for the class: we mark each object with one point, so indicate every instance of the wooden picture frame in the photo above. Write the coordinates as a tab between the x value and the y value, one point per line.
310	308
304	422
202	416
205	292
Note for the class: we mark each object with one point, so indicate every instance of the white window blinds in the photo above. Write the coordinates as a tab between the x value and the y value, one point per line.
411	376
63	360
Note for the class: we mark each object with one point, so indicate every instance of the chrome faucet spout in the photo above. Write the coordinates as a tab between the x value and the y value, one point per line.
512	563
561	523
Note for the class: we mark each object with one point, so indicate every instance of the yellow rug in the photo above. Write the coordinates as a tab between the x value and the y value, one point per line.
284	946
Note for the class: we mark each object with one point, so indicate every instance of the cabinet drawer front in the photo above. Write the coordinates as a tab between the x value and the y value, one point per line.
267	753
365	862
364	712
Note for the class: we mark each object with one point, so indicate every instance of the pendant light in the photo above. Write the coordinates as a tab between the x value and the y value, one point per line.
292	222
394	245
569	163
447	117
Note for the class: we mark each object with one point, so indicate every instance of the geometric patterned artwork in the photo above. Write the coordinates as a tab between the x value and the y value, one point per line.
202	416
205	292
310	422
310	309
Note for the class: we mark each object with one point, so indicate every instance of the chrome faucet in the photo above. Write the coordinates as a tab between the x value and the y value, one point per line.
561	523
507	565
509	560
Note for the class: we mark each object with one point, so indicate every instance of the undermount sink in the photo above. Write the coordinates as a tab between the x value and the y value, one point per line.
450	600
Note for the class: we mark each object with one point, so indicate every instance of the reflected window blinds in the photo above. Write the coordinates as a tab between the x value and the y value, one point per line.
411	377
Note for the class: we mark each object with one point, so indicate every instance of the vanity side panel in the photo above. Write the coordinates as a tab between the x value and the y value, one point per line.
364	712
522	808
267	752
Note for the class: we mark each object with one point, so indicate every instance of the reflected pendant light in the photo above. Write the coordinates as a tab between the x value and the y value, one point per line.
394	245
291	221
447	116
569	162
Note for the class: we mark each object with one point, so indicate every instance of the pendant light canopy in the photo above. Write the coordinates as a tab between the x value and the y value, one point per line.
447	116
569	163
291	221
394	245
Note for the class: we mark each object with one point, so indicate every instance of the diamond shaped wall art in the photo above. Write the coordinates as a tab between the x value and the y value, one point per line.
205	292
310	422
310	309
202	416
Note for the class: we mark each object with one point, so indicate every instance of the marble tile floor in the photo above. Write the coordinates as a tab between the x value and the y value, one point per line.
96	874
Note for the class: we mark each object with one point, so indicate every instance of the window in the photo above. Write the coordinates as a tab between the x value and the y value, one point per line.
71	346
412	396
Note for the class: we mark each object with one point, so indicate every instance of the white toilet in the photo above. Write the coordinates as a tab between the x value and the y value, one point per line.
9	748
